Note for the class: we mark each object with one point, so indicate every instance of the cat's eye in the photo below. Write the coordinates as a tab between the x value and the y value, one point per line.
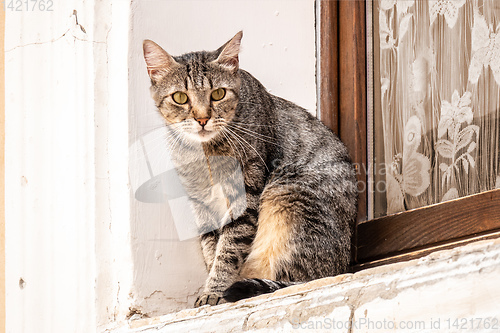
218	94
180	97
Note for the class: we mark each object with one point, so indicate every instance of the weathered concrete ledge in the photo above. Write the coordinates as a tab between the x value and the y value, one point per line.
454	290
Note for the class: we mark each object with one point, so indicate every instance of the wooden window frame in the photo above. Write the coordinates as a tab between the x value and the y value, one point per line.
343	107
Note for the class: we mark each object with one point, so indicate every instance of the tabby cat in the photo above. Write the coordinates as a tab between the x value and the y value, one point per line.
299	184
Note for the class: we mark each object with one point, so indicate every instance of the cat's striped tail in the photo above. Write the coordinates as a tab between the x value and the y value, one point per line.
253	287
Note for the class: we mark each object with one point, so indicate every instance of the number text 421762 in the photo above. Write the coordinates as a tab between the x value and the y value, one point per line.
28	5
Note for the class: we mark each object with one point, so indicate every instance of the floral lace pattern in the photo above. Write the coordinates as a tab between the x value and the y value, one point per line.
409	174
485	49
439	121
453	115
447	8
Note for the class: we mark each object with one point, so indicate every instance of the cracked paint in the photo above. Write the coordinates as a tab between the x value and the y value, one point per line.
377	294
75	30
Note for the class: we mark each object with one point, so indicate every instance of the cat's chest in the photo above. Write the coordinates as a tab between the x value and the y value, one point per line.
201	175
202	171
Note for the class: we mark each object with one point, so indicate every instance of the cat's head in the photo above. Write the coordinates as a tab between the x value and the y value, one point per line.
196	93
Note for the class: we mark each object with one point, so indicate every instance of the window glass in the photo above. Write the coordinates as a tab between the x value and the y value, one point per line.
437	101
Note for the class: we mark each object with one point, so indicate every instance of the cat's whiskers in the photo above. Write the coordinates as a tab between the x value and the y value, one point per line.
159	146
250	125
222	125
150	128
243	132
154	127
165	139
232	137
233	146
256	135
218	122
159	141
255	150
176	141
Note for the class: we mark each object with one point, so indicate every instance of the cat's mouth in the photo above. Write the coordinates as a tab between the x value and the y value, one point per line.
201	132
203	135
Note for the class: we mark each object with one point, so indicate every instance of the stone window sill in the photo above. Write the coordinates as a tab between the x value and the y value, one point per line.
444	291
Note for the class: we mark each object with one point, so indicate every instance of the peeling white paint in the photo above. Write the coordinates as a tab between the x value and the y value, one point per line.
50	171
114	265
361	302
80	256
68	266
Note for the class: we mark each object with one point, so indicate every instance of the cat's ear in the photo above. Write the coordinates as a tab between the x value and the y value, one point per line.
228	56
157	59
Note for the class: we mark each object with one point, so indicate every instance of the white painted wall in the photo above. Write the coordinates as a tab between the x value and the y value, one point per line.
278	48
49	170
113	252
67	195
76	97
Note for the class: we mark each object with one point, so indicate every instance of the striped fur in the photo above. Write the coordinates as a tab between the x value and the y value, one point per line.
300	186
253	287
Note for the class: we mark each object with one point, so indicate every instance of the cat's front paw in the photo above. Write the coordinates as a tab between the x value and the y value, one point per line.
210	299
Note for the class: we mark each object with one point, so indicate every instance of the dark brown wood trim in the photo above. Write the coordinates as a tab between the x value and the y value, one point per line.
343	80
329	65
429	226
343	88
352	93
421	253
342	84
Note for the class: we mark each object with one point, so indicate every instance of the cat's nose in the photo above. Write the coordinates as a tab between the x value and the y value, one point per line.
202	121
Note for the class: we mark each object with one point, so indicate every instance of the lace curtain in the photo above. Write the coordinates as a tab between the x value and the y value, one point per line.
437	101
